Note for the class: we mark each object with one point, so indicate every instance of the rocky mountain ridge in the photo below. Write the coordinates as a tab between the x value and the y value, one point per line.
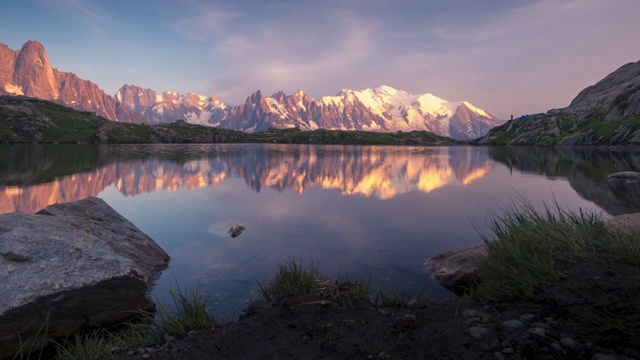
28	72
604	114
169	106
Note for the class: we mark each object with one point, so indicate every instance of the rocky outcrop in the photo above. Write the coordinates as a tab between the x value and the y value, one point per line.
457	270
618	95
71	266
171	106
604	114
28	72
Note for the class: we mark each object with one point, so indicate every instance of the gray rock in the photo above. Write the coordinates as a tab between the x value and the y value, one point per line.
628	176
478	332
625	222
457	270
512	324
495	345
539	324
470	313
525	318
413	304
600	356
498	355
568	343
75	266
538	331
236	230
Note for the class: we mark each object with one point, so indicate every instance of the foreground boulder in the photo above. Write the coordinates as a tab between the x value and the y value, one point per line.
457	270
71	266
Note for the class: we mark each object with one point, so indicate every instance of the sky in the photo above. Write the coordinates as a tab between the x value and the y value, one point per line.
509	57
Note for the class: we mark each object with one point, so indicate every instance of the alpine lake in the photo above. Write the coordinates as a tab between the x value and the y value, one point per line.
372	212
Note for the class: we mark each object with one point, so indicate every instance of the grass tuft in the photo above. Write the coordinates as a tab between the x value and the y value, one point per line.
36	343
188	312
398	299
294	280
526	244
93	346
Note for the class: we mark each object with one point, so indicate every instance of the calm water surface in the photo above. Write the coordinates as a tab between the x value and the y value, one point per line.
369	211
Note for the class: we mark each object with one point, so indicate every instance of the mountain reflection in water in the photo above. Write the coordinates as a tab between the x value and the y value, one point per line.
382	172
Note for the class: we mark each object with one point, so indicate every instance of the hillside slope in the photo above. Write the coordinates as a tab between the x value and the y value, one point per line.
604	114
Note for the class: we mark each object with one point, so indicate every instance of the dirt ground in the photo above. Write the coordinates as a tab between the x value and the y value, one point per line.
593	313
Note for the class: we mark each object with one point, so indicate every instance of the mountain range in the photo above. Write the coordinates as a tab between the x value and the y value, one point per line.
28	72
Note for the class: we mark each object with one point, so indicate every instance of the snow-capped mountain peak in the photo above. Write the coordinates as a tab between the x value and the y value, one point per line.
373	109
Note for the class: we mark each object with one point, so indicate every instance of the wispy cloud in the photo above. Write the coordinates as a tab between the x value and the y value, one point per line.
89	12
205	24
290	55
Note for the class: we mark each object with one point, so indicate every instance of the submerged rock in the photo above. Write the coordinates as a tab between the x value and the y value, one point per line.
236	230
457	270
69	267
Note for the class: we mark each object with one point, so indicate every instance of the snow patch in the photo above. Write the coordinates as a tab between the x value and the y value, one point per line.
13	89
475	109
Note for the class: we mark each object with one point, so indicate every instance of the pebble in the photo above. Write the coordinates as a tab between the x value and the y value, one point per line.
384	311
471	313
471	320
526	317
498	355
600	356
537	331
413	303
495	344
539	324
478	332
507	350
568	343
512	324
411	319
